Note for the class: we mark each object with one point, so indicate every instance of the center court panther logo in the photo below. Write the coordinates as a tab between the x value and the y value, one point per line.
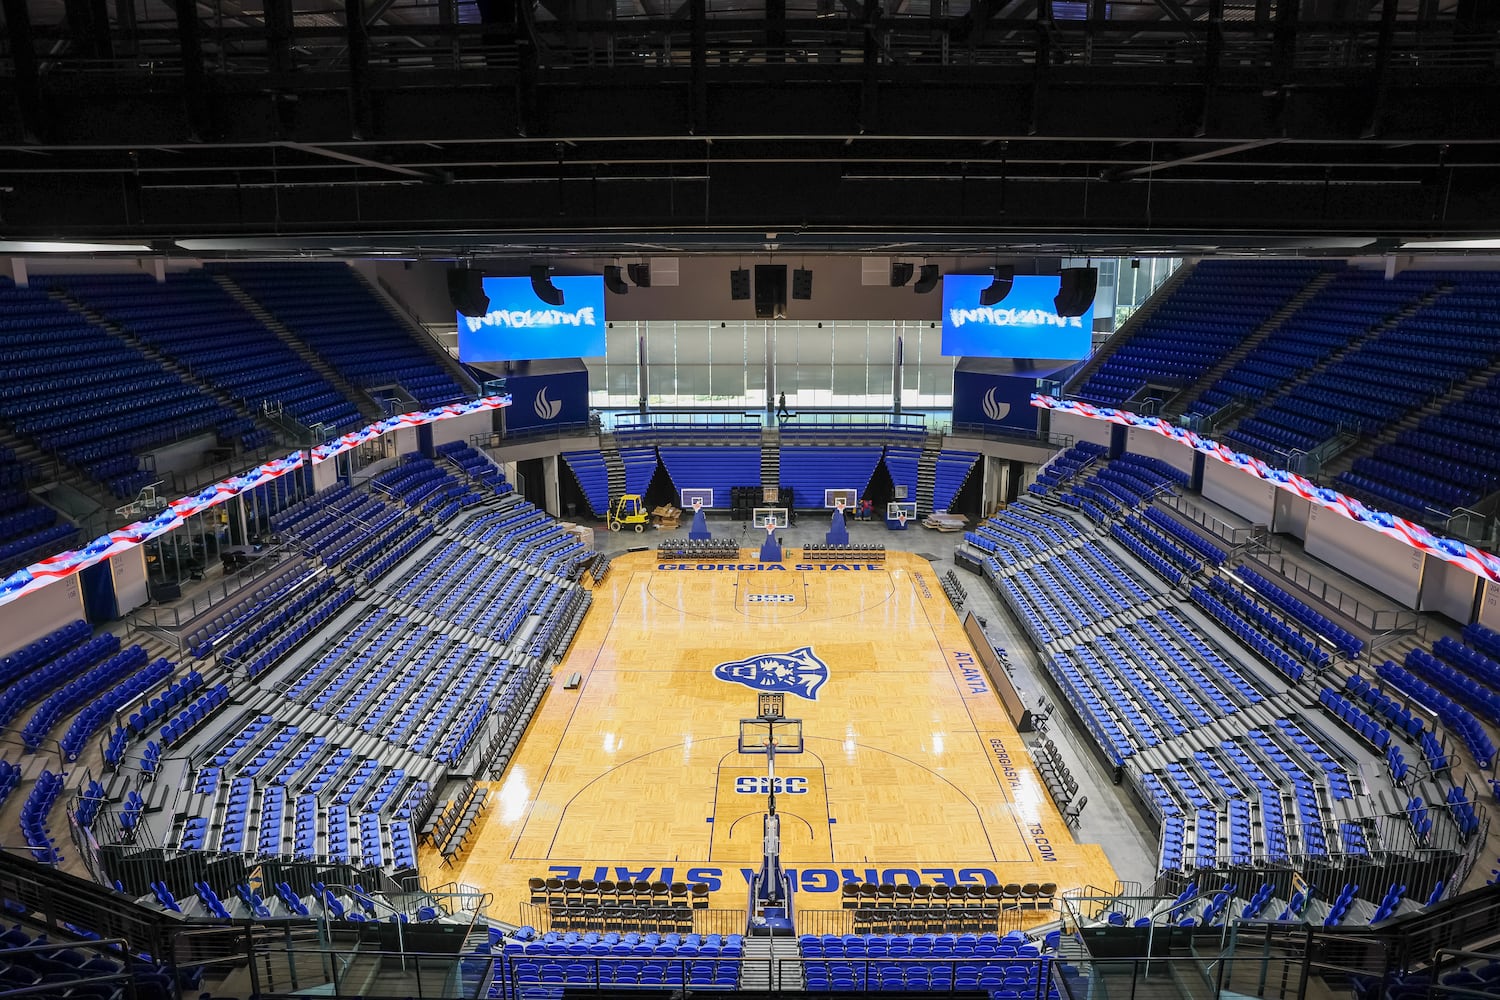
994	410
799	672
546	408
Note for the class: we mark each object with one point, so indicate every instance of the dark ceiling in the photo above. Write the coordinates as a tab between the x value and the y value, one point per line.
443	128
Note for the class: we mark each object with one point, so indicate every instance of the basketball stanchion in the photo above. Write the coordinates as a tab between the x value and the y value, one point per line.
770	549
699	531
838	531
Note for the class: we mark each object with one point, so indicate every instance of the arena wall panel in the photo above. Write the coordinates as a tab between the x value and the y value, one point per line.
45	610
129	572
1144	442
1449	590
1249	497
1380	563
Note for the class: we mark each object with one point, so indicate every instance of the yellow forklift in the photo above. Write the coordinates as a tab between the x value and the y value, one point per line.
628	509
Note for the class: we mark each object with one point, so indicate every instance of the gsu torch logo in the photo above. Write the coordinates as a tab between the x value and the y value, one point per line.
546	408
994	410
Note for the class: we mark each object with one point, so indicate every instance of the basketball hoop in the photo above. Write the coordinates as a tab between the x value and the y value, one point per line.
770	528
901	518
697	506
839	505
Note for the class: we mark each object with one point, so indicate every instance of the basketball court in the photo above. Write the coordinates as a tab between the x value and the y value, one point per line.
911	772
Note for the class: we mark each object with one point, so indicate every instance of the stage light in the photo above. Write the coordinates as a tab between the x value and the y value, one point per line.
999	286
1076	291
614	280
541	284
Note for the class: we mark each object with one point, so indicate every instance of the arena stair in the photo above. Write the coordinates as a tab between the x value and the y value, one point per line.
609	450
1211	377
150	351
1368	446
927	472
367	406
387	297
770	457
771	963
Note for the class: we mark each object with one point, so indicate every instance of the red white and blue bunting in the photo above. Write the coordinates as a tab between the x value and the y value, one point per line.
1482	564
175	514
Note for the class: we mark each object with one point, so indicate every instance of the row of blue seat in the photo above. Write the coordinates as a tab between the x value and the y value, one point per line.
180	726
243	608
1268	622
1343	640
335	313
98	712
1453	715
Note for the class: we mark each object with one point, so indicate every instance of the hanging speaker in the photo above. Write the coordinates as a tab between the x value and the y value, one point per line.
927	278
739	284
999	288
801	284
614	280
541	284
640	274
901	273
1076	290
466	291
770	291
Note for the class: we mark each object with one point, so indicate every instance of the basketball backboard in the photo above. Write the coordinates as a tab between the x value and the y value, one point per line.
896	508
756	735
831	498
764	516
703	498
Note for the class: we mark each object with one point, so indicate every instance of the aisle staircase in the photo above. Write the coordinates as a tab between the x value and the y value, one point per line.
1367	446
927	472
162	360
367	406
610	451
1270	399
770	457
771	963
1210	378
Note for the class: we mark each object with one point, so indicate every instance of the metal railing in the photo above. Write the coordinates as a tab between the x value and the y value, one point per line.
1204	518
184	611
714	920
1010	918
736	38
995	432
1377	620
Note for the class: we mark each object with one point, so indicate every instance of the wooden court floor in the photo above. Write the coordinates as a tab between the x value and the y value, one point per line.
912	771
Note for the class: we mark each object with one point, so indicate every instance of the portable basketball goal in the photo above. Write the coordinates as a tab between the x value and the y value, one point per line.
772	519
771	733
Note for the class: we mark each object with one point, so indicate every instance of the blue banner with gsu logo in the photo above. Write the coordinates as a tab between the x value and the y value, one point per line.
987	399
540	400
